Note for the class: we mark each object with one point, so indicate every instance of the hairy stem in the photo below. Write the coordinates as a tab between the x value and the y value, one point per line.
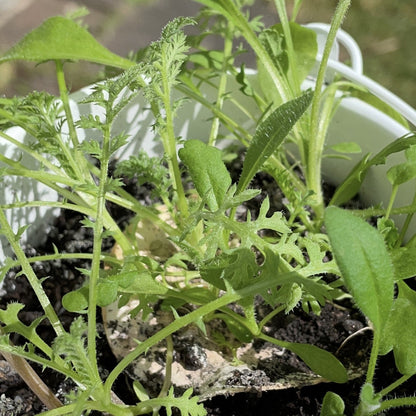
373	357
317	139
392	403
394	385
228	45
96	255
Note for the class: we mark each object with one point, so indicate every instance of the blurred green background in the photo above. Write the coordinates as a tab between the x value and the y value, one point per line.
384	29
386	33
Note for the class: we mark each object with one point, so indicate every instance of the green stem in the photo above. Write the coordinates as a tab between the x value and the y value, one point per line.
50	204
84	200
392	403
63	91
30	275
65	256
379	212
269	316
317	140
406	224
239	132
228	45
391	201
235	15
41	176
394	385
105	408
96	254
373	357
28	150
293	74
182	322
296	8
79	166
169	144
165	332
168	373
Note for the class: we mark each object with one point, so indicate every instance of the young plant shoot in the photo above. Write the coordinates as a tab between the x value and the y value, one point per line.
213	264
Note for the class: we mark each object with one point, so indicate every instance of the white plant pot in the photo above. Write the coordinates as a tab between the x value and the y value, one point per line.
354	120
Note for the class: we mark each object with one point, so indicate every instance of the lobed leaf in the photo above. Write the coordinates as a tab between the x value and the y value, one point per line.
187	404
238	268
270	134
364	262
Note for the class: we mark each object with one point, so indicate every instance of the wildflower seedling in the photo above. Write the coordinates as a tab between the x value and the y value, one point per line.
220	260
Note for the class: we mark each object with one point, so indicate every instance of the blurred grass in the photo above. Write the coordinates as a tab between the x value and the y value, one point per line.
386	33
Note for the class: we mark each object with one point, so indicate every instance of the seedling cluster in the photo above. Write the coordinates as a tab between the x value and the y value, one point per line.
231	258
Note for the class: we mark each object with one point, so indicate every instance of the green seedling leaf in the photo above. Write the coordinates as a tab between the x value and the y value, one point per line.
72	345
241	78
208	59
404	261
320	361
305	50
139	283
305	45
207	170
369	98
400	331
240	331
106	292
352	183
60	38
8	263
186	403
272	41
364	262
21	231
76	301
401	173
12	324
238	268
270	134
332	405
410	154
140	391
401	144
346	147
387	228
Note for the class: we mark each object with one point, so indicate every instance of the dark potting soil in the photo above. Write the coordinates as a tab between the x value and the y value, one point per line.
328	331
